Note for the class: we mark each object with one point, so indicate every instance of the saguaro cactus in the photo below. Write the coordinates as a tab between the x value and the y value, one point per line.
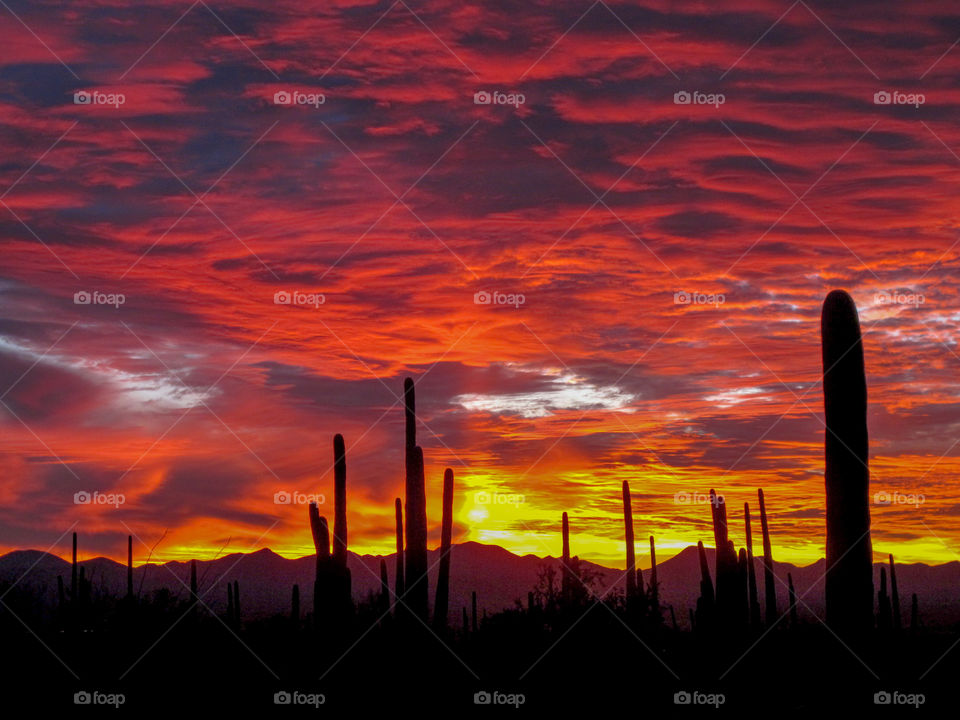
754	602
129	568
416	507
770	590
705	603
884	620
566	585
321	542
441	602
73	573
628	533
339	570
726	562
849	574
654	584
398	582
894	595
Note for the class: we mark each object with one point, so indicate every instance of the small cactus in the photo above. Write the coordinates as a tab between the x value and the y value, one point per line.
628	537
416	509
770	590
446	536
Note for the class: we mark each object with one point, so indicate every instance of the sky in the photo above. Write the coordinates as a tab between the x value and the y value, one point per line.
596	235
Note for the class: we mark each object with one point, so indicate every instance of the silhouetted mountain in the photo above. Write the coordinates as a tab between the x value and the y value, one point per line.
499	577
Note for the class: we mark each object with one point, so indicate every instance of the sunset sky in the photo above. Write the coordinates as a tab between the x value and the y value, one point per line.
590	210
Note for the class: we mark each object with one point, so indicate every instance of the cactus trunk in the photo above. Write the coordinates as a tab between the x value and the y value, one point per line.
442	599
754	602
565	579
631	569
398	582
416	508
770	590
849	574
894	596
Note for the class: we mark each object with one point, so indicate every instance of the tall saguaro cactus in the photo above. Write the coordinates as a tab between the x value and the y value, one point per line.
754	602
849	575
340	572
628	534
416	507
398	582
565	579
321	542
894	595
442	600
770	590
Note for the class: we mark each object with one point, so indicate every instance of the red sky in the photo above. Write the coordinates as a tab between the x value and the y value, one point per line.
597	200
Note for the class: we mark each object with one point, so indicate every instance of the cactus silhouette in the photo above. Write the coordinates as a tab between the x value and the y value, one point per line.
654	585
566	585
442	599
770	590
726	563
884	619
894	596
849	574
631	569
340	573
753	602
398	582
321	583
415	575
706	602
